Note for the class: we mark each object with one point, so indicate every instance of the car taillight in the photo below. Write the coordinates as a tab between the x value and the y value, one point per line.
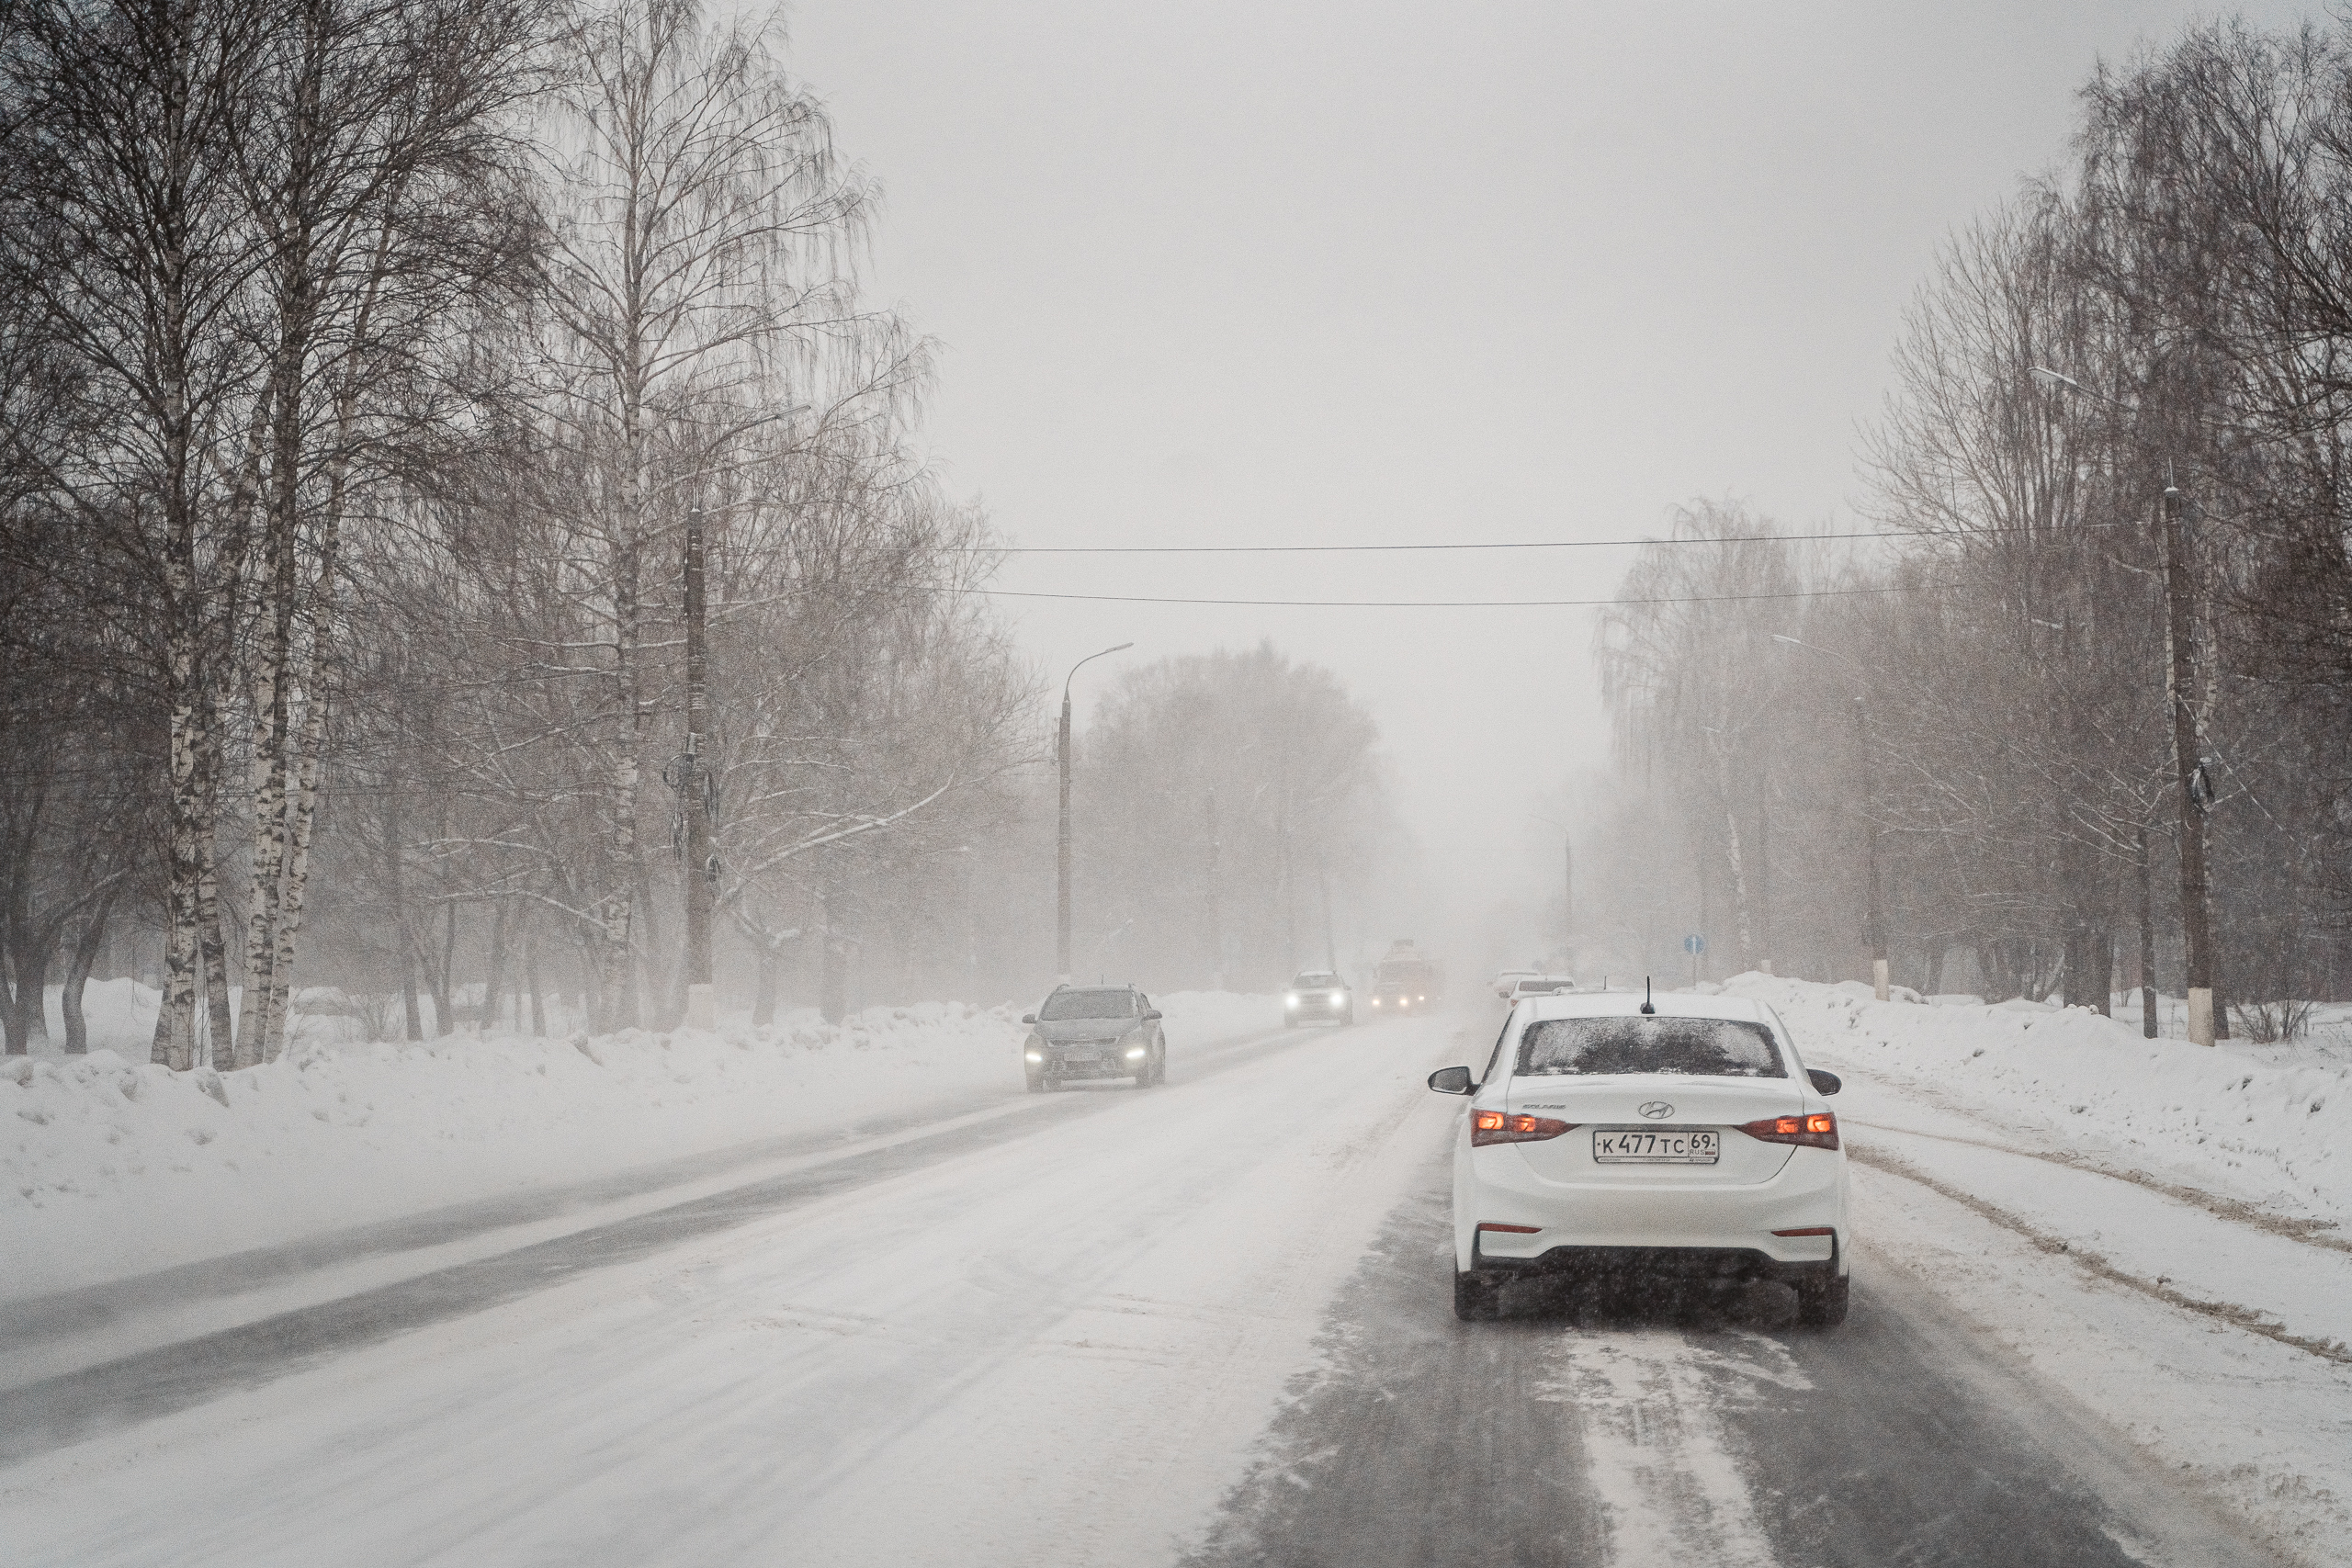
1818	1131
1501	1127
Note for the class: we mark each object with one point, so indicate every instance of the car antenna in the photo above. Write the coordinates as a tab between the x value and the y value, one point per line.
1645	996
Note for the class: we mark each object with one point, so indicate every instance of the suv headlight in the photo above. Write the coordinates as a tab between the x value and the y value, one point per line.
1291	1000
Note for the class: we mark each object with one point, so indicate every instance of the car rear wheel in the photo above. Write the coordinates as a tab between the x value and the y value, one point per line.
1477	1298
1822	1304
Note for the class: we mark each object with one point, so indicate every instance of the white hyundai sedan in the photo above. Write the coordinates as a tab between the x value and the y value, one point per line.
1678	1135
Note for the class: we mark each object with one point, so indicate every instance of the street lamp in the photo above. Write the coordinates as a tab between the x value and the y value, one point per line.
1874	909
2180	683
1061	844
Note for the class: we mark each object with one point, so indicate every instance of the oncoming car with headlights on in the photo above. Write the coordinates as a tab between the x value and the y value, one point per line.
1094	1032
1623	1136
1318	993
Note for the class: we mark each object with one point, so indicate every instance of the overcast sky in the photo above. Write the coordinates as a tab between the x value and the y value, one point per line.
1218	273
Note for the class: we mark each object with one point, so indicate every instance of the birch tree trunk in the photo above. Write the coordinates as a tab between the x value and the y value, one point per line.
174	1044
298	881
212	942
265	771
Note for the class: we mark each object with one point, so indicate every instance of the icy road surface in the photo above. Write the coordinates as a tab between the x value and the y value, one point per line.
1201	1324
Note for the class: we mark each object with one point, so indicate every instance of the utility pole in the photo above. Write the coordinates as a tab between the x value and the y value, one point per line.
1874	907
2181	693
2180	682
2147	942
1568	897
1216	914
696	795
1061	841
1764	858
1330	942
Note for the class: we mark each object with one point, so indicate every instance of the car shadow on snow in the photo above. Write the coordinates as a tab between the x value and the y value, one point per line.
1630	1301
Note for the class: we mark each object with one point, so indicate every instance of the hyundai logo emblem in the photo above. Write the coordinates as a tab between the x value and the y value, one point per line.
1657	1110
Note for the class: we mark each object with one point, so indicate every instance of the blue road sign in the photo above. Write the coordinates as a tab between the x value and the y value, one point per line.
1694	944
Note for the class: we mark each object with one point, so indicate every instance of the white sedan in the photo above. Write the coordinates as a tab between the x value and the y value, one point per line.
1677	1136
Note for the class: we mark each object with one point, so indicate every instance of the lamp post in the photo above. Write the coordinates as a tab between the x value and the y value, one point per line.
1874	904
1567	886
2180	687
1061	843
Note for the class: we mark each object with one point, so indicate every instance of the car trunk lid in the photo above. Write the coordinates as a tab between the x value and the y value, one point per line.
1669	1104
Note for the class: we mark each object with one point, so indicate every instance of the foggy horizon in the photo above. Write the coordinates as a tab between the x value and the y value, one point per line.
1066	785
1650	255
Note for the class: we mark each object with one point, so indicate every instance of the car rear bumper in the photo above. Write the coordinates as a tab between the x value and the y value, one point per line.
1579	1220
1695	1263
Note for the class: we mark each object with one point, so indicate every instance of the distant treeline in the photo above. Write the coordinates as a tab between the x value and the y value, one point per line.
370	372
2155	345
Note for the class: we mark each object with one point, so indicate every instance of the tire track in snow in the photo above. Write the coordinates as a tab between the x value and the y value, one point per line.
1651	1405
2247	1318
2310	1232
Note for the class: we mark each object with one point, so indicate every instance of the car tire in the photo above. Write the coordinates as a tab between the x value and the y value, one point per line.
1036	1083
1477	1298
1822	1304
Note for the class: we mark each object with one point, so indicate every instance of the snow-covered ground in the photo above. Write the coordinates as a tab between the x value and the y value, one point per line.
2268	1124
1055	1334
112	1166
1056	1348
2154	1227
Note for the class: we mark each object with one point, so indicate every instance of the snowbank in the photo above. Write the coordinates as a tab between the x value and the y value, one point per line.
2267	1124
111	1166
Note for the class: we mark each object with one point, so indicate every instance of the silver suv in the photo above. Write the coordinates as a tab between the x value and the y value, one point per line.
1094	1032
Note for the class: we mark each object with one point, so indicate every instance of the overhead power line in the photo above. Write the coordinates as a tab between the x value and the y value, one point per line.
1453	603
1501	545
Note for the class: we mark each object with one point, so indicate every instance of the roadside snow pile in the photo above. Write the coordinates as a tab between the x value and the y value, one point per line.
111	1166
2260	1123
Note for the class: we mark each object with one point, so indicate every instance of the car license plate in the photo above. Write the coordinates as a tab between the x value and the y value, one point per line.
1653	1145
1080	1058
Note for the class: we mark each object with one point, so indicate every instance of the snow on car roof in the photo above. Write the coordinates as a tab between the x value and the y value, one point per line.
1671	1004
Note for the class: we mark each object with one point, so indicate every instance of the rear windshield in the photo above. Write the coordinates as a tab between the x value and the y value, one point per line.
1063	1005
1702	1047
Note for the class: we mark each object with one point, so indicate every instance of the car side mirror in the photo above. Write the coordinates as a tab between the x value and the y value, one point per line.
1824	1084
1451	1080
1028	1018
1150	1015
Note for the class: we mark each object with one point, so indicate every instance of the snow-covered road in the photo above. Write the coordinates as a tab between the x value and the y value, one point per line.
1201	1324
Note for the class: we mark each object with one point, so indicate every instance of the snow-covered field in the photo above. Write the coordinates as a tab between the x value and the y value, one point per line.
2269	1124
111	1166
